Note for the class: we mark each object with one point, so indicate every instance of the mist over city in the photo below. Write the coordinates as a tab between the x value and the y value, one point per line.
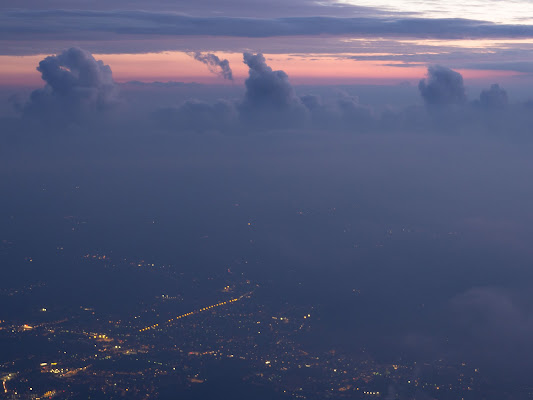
249	200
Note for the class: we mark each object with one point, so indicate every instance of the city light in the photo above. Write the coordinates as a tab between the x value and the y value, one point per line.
193	313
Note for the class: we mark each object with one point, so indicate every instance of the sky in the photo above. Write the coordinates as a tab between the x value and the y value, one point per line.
326	42
401	130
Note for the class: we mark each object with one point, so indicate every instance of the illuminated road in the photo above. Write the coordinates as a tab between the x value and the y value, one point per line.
195	312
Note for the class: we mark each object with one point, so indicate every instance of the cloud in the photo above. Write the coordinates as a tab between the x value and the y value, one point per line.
442	87
199	116
20	24
443	92
215	64
494	98
209	7
265	87
270	99
80	91
271	103
77	86
344	112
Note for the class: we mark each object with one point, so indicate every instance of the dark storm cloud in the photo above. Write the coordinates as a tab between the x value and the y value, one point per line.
77	86
215	64
442	86
87	25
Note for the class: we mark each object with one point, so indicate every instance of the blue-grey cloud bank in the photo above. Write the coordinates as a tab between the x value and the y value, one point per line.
80	89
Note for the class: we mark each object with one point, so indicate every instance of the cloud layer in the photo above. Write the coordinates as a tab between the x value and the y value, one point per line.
16	24
271	102
80	90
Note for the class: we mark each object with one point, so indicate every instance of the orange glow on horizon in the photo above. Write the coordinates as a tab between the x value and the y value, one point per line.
179	66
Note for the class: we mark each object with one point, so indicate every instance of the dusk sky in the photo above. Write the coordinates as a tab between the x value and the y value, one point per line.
313	41
285	199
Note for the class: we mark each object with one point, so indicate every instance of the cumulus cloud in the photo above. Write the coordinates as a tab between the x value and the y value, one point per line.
442	87
77	86
80	91
265	87
270	102
270	98
215	64
494	98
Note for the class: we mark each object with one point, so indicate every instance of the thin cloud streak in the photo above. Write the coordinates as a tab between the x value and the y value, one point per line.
16	25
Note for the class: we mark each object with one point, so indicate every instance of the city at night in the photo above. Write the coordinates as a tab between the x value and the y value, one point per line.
239	200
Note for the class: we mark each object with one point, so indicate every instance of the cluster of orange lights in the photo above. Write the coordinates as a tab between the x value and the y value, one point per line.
191	313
